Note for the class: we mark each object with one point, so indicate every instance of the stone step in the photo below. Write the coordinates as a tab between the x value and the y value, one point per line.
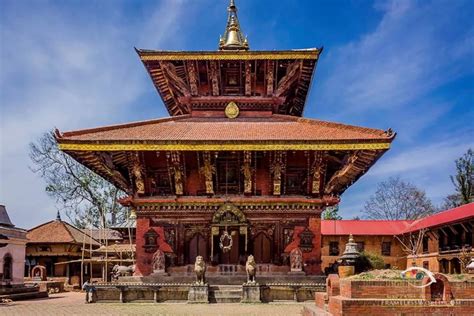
225	294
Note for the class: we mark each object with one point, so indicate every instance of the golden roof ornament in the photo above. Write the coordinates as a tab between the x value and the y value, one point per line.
233	39
232	110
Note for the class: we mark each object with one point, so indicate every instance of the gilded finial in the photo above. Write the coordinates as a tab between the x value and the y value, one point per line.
233	38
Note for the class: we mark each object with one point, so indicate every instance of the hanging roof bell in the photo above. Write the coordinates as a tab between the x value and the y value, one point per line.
233	38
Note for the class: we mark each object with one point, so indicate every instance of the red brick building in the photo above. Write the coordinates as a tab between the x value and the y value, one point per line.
235	170
446	237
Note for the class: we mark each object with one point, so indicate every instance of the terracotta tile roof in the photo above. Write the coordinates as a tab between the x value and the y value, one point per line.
186	128
102	234
363	227
58	231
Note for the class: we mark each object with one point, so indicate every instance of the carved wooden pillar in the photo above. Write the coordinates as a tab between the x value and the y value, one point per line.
319	170
177	170
270	77
276	169
208	170
247	171
137	172
248	79
180	247
277	242
214	78
193	79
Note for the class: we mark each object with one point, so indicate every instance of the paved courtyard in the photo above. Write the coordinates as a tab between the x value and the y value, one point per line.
72	303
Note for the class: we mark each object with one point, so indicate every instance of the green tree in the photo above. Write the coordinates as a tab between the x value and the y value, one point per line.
464	178
396	199
86	197
331	212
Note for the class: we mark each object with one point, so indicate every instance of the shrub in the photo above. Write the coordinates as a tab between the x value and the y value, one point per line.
369	261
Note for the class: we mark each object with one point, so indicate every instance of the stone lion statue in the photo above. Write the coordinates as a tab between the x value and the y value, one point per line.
200	270
251	268
118	271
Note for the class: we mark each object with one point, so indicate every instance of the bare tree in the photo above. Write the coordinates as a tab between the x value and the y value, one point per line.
86	197
395	199
464	256
463	181
412	243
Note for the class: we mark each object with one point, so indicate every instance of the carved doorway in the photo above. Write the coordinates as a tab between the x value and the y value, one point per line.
197	247
229	253
262	248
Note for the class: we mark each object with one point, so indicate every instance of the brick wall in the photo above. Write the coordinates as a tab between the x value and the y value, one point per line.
372	244
380	289
144	259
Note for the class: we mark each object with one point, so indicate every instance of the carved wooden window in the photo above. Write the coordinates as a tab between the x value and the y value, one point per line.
228	174
160	182
306	240
151	240
295	181
334	248
386	248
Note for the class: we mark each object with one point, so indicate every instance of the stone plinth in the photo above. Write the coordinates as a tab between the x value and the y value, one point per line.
251	293
198	294
345	271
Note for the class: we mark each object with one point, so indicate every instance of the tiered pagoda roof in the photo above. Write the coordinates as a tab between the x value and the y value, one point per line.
232	99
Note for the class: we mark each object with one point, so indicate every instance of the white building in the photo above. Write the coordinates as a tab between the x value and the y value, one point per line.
12	251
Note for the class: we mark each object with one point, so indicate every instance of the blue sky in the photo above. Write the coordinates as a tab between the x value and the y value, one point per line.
408	65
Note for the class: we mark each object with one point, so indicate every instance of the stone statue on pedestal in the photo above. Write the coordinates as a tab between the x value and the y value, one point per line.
251	268
159	264
296	260
200	270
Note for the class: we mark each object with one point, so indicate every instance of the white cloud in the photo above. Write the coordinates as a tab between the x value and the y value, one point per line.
413	50
59	70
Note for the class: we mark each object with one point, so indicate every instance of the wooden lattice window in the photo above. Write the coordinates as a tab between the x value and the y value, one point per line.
334	248
386	248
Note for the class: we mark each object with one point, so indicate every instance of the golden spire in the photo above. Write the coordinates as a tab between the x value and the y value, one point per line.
233	38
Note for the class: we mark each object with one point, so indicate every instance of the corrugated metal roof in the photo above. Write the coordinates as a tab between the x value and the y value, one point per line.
363	227
387	227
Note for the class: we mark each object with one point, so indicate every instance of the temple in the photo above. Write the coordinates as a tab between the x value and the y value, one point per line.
235	169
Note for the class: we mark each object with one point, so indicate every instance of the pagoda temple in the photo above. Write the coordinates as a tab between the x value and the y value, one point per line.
235	169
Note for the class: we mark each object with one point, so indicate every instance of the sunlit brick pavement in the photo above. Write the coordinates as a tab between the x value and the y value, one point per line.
73	304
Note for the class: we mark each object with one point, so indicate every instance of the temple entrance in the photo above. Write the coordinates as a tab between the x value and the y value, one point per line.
197	247
229	246
229	236
262	246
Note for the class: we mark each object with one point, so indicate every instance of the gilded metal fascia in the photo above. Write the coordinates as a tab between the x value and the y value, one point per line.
222	55
223	147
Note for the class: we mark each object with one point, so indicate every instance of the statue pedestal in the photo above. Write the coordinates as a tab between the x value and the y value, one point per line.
296	272
346	271
159	273
198	294
251	293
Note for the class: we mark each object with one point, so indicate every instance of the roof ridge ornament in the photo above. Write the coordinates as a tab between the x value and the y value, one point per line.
233	38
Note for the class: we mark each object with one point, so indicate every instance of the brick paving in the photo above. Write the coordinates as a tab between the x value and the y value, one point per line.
72	303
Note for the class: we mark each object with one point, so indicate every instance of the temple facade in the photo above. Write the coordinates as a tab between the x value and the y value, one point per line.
235	169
